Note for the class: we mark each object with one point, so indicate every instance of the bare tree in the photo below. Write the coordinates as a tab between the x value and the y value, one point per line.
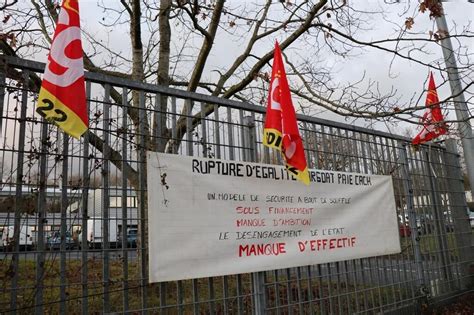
160	51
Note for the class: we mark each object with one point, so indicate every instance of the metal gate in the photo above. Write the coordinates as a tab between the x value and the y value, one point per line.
74	225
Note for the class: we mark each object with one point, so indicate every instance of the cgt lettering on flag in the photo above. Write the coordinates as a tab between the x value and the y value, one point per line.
62	97
281	128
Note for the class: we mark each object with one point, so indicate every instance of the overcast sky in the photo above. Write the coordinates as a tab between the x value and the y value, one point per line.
406	77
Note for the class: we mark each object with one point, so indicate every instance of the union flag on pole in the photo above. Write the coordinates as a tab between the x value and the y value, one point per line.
281	129
62	97
433	122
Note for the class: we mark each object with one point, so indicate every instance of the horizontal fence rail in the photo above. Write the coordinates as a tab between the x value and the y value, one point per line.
73	213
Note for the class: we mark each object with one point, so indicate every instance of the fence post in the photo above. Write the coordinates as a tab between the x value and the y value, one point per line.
125	204
41	210
258	278
84	212
415	238
143	207
105	202
64	205
18	195
463	234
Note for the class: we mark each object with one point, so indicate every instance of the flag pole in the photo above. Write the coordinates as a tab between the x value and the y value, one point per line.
460	106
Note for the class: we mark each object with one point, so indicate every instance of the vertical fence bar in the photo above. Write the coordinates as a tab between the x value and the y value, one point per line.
355	166
306	142
319	275
253	138
243	136
351	144
311	297
64	204
18	194
125	201
163	297
2	97
40	259
163	285
276	288
105	202
407	186
325	150
217	132
249	143
180	297
265	158
212	302
240	304
225	293
332	149
379	169
248	146
142	204
300	301
2	104
84	211
463	235
366	275
189	127
174	133
339	289
248	126
327	266
384	263
204	131
230	134
372	261
195	287
160	122
391	167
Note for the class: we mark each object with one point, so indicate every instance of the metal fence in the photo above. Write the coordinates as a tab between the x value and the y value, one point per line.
57	193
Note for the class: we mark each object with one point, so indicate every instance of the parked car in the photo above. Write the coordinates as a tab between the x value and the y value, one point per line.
25	237
132	237
53	241
404	229
403	226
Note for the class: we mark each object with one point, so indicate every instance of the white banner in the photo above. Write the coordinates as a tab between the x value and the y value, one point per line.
209	217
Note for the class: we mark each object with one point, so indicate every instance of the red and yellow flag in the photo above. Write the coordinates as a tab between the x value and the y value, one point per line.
62	98
433	122
281	128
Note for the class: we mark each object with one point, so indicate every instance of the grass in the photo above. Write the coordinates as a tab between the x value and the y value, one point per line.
429	245
73	286
169	297
285	292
